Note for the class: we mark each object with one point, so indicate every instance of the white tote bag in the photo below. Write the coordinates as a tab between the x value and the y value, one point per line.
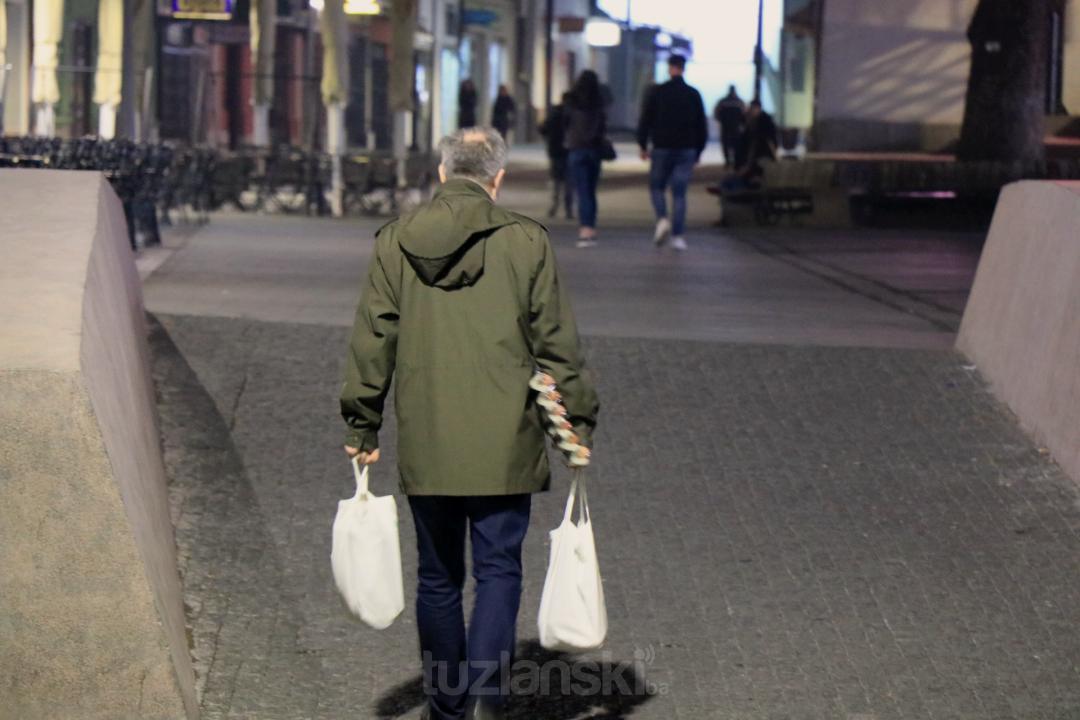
572	612
366	554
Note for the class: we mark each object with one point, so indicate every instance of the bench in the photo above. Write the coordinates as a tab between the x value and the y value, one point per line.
787	188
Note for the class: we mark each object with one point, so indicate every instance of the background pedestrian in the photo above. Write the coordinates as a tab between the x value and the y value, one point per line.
554	132
504	112
673	122
586	127
467	104
730	115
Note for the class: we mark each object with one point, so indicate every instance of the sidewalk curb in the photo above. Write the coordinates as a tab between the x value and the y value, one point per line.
150	259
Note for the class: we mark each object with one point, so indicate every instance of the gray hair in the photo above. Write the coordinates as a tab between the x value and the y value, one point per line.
475	153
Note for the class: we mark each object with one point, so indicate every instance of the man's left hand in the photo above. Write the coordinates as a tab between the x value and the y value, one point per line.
363	458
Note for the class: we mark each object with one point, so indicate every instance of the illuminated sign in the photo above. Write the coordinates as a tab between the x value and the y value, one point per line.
362	7
602	33
352	7
202	9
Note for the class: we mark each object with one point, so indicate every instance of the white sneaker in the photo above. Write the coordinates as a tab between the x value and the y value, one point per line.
663	231
586	243
678	243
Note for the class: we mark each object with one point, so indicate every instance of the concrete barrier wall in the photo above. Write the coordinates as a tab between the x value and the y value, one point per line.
1022	323
91	613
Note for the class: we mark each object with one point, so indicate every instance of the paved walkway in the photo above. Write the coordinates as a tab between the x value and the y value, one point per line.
807	506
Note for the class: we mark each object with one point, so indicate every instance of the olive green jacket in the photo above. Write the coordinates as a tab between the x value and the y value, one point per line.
463	303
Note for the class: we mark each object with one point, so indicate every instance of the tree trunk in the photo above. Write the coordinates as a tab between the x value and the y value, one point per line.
1005	113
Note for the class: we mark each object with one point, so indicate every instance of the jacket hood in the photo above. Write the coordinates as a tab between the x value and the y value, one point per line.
444	240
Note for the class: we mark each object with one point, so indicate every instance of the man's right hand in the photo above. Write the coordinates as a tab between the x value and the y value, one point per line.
362	457
644	154
580	457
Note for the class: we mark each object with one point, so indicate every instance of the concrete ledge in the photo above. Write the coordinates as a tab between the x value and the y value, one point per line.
1022	323
841	134
91	613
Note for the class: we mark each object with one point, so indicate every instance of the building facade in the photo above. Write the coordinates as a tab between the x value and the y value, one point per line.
893	76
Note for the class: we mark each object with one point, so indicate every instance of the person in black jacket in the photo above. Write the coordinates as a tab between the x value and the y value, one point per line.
758	144
466	105
730	114
554	131
673	120
504	112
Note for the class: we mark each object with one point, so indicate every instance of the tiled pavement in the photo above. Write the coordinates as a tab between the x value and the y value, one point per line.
786	532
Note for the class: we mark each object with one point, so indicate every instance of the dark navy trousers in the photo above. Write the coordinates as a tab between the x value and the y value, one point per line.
455	664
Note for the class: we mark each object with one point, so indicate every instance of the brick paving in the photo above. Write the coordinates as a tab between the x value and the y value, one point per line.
785	533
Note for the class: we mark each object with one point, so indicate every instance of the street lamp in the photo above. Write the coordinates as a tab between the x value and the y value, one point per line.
600	32
759	56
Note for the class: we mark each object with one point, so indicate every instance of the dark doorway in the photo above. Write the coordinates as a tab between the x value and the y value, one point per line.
82	77
380	97
234	93
355	111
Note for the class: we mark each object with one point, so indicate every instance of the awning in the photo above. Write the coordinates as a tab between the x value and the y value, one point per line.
263	18
108	77
48	29
335	37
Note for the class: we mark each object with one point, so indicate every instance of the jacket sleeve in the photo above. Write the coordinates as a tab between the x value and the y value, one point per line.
702	125
644	128
372	354
556	347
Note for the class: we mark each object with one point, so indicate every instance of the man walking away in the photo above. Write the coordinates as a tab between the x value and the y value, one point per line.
466	104
554	132
730	114
504	112
463	301
673	119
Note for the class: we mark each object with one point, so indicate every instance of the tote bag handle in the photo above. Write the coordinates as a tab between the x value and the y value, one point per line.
577	490
361	478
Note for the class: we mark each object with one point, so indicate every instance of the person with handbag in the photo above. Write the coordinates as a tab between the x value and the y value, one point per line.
586	144
673	120
462	303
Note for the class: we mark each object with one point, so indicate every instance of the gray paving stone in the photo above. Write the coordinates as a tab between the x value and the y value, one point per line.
785	532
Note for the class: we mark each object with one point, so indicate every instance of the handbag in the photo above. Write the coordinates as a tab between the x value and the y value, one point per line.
607	150
572	611
366	554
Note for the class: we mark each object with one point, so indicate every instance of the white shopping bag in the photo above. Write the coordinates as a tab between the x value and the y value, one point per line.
366	554
572	611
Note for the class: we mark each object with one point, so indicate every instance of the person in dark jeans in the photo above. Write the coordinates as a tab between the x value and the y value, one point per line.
673	120
554	132
462	303
730	114
585	126
504	112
